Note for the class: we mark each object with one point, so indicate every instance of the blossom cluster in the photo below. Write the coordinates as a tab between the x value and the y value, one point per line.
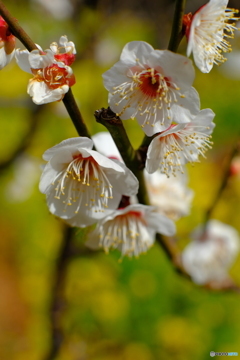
52	74
86	181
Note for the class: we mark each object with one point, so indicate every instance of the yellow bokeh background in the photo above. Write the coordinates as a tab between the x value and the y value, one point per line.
134	309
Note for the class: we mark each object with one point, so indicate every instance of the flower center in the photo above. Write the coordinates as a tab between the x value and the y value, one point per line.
127	232
151	94
152	83
83	183
54	76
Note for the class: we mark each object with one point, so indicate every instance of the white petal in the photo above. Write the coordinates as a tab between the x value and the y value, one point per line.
136	50
72	145
3	58
152	160
104	162
40	61
161	224
116	75
104	143
22	59
175	66
41	94
128	184
186	108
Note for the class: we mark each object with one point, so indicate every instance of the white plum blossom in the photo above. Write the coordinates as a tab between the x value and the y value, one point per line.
180	143
131	230
153	86
82	185
171	196
7	44
211	253
207	32
52	78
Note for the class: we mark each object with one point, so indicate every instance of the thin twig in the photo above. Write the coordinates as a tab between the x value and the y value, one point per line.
176	35
224	181
75	114
170	248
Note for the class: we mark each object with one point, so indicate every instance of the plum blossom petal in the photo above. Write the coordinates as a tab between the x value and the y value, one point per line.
171	196
154	86
211	253
82	185
181	143
131	230
41	94
4	58
207	32
103	138
7	44
22	57
67	145
65	52
39	60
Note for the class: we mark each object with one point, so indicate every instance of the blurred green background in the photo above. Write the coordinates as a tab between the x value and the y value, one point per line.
140	308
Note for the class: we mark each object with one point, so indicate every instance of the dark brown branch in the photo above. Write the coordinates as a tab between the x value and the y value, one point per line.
75	114
68	250
58	304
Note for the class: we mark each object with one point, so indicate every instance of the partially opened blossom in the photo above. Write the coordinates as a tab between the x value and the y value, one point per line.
7	44
82	185
211	253
131	230
52	78
171	196
65	52
181	143
154	86
208	31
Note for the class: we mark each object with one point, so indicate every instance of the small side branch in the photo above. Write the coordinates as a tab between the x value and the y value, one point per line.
224	182
169	246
